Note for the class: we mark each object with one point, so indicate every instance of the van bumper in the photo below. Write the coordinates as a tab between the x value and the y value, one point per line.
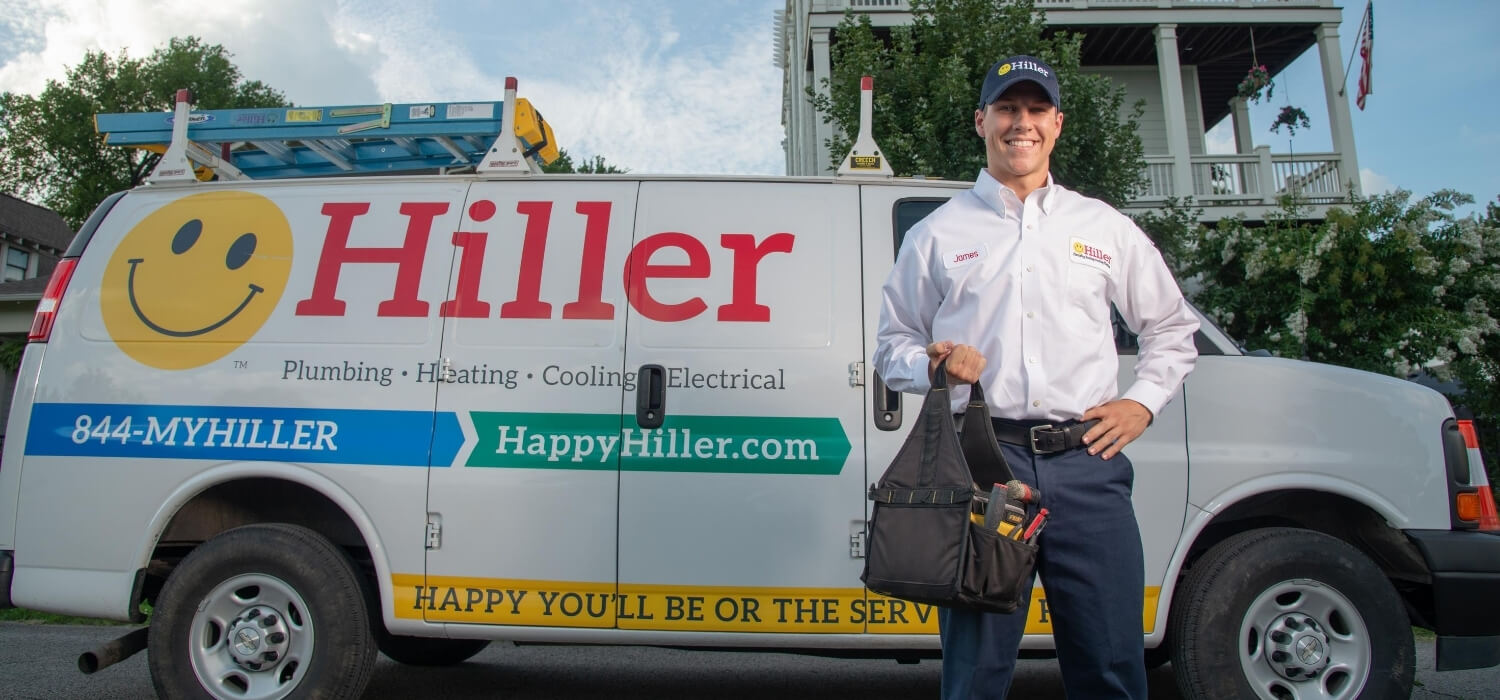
1465	568
7	570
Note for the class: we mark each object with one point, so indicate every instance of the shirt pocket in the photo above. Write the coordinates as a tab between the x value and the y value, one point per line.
1088	290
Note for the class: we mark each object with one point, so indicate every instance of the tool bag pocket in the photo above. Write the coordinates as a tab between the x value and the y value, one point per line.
917	551
998	568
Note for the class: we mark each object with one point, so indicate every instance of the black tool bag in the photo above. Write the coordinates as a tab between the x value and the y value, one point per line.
923	546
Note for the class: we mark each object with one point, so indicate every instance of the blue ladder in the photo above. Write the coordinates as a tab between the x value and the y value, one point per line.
287	142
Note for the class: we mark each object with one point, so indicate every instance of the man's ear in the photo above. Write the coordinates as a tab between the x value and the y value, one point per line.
979	122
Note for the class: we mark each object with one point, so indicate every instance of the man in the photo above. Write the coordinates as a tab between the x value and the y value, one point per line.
1011	283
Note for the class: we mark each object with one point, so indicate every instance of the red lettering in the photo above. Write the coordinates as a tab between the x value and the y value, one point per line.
747	257
591	304
465	302
638	270
408	258
528	302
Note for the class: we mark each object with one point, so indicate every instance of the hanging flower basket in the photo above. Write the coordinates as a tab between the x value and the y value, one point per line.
1255	81
1293	118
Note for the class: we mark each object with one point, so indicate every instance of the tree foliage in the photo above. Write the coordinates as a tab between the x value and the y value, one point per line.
927	79
565	164
1390	285
49	151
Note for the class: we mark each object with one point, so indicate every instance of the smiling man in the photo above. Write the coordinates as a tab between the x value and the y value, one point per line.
1012	283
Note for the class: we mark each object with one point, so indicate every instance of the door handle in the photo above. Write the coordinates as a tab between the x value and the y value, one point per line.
651	396
887	405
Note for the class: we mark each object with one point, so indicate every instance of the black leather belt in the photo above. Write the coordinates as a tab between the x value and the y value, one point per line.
1041	437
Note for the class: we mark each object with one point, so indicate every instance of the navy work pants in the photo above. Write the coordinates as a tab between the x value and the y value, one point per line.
1093	571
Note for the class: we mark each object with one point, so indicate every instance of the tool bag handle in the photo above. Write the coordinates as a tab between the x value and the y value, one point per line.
981	450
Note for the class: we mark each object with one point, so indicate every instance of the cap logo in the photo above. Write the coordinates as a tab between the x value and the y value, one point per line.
1004	68
1028	65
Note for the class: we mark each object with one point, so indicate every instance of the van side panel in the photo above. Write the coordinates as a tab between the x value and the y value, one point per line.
208	330
1289	424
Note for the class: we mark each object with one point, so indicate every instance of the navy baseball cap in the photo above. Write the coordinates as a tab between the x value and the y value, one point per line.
1008	71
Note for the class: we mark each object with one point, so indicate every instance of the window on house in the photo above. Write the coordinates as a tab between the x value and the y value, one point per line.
16	263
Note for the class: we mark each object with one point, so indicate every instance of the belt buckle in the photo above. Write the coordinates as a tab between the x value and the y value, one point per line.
1034	449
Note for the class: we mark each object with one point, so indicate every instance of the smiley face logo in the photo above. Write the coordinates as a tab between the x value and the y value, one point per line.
196	278
1004	68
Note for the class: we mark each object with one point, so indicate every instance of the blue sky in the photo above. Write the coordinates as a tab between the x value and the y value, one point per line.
673	86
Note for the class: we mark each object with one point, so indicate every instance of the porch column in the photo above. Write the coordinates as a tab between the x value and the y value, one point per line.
1340	126
1170	70
1239	112
822	131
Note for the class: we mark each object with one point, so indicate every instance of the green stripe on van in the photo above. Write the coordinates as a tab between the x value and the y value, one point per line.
715	444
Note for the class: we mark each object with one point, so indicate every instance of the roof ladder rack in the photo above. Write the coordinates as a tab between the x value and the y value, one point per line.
289	142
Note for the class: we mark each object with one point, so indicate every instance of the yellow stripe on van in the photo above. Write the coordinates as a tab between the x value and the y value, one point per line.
664	607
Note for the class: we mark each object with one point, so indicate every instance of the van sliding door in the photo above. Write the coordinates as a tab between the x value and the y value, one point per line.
532	367
742	467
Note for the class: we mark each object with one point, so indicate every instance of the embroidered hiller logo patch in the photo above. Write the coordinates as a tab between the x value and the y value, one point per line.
1084	252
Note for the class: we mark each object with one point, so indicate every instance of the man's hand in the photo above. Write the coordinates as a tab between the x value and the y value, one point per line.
1120	422
964	361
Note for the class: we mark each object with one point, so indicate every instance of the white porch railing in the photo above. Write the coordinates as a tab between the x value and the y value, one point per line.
1249	178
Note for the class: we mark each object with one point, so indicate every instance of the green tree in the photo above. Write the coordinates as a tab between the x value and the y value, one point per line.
565	164
49	151
927	78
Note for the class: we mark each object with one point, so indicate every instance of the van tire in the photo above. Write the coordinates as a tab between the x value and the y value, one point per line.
429	651
295	599
1247	608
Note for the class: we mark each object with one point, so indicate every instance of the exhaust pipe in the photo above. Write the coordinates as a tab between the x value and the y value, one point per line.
113	652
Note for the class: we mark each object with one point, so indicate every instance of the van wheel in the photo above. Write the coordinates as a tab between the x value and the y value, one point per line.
260	612
1290	614
427	651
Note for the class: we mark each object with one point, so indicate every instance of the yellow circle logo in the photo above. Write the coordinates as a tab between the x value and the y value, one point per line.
1005	68
1078	247
196	278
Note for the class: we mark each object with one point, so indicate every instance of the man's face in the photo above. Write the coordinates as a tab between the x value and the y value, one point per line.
1019	130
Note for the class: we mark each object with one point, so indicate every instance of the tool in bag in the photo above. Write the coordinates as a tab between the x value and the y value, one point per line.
925	545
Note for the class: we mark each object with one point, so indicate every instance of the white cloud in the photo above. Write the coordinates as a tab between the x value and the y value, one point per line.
1220	139
614	79
287	44
1374	183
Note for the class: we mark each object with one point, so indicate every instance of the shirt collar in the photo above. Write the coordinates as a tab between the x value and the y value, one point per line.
994	194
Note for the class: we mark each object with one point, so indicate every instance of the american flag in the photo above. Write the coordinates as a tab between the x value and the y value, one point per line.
1366	48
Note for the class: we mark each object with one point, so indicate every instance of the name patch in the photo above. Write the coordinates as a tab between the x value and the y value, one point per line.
1081	251
963	256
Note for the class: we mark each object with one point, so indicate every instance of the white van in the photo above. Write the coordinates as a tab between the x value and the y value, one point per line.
308	419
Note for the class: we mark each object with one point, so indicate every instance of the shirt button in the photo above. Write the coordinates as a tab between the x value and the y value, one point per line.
1029	227
1036	403
1031	359
1030	314
1028	268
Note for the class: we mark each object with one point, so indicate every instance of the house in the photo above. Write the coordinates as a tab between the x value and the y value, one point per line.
32	239
1184	58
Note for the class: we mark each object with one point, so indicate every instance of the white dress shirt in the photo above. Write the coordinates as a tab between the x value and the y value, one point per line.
1030	285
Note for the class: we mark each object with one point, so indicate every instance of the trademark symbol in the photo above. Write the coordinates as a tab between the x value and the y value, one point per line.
241	364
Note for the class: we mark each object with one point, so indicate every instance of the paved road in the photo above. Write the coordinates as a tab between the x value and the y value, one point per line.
39	661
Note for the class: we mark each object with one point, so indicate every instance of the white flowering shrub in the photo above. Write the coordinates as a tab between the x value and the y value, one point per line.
1388	284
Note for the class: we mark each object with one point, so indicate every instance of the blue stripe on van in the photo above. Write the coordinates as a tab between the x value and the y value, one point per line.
315	435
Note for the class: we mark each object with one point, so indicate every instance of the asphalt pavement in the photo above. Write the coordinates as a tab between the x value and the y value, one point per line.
40	661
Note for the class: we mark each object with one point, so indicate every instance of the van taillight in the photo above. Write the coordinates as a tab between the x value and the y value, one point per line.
1479	506
46	311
